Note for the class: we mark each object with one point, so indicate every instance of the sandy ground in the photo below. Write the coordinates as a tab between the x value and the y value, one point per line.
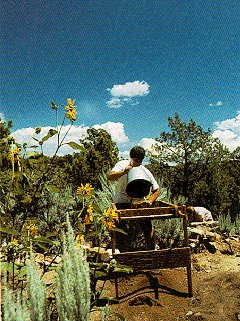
216	291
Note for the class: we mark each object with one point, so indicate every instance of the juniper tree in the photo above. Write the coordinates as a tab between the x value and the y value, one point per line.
190	161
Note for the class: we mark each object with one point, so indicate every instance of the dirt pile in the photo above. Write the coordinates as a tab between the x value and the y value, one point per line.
163	297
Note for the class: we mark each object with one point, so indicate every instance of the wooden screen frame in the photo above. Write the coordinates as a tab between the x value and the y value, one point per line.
154	259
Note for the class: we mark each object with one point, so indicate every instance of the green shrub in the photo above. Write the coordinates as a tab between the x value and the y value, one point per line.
14	308
169	232
73	293
105	194
237	225
225	224
37	293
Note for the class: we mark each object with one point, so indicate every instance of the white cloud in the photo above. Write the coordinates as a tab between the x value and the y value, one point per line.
2	119
147	143
115	103
127	93
218	103
116	130
228	131
130	89
24	135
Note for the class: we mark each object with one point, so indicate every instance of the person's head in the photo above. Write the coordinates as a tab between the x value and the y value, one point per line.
137	154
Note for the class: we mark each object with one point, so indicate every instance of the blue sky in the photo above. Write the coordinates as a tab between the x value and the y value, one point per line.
128	64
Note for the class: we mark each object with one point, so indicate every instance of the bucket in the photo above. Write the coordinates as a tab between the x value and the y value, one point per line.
138	183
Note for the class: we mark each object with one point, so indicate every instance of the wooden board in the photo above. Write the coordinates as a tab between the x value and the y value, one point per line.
156	259
156	211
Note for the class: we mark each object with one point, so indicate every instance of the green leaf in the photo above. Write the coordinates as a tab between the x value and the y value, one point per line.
6	267
123	269
53	189
44	248
94	265
43	239
54	106
50	133
9	231
25	179
22	272
99	274
56	243
76	146
115	229
50	234
32	146
38	130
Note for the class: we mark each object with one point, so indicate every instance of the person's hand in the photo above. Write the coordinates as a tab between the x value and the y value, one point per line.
128	168
147	202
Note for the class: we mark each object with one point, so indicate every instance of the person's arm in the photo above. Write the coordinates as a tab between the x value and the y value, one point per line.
155	188
114	176
154	196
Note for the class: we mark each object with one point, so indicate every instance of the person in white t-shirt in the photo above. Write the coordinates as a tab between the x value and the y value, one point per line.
119	174
120	171
199	214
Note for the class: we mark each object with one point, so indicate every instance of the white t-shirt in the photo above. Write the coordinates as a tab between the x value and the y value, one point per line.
203	214
120	195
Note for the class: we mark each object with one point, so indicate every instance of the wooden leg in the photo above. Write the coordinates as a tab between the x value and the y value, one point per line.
189	277
113	241
116	288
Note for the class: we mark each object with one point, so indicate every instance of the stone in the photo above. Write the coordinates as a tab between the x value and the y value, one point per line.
58	259
50	277
189	313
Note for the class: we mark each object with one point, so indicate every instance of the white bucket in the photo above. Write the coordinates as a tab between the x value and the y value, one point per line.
139	183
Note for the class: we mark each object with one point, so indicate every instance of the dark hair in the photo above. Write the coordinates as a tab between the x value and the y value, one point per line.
137	152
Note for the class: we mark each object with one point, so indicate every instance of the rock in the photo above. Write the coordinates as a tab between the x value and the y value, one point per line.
197	231
39	258
218	237
206	223
49	277
203	232
58	259
198	317
96	315
234	238
189	313
208	270
211	236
